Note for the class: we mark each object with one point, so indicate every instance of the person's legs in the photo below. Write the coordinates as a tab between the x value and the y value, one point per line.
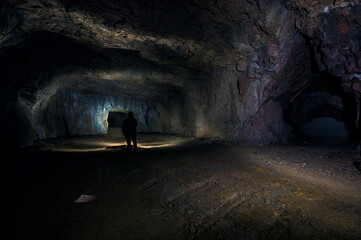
129	145
134	140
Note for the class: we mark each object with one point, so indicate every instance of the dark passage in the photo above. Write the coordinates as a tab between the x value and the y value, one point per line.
115	119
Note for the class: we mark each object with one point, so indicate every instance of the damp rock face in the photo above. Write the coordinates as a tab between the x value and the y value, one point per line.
220	69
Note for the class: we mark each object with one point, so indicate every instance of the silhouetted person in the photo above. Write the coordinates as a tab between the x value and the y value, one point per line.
129	128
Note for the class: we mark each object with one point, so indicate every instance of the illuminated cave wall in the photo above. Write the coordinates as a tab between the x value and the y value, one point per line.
74	114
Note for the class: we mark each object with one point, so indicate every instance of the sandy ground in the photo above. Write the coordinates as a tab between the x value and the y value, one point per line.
182	188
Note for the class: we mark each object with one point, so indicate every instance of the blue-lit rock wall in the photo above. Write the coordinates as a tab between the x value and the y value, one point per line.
325	127
73	113
87	114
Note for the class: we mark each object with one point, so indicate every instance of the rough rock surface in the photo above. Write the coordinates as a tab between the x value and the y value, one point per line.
223	69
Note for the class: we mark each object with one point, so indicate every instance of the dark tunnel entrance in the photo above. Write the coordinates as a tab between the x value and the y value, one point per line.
323	111
115	119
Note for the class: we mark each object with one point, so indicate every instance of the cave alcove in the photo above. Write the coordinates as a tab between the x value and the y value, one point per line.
323	111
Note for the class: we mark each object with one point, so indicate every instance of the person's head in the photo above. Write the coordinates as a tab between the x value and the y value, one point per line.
130	115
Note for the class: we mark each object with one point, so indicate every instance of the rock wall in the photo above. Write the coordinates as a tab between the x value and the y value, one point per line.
224	69
71	113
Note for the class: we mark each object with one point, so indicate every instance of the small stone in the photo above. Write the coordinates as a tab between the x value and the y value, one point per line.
242	64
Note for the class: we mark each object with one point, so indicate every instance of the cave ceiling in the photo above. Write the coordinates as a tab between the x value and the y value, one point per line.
190	34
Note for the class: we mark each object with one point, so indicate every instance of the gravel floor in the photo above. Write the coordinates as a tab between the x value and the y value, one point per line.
182	188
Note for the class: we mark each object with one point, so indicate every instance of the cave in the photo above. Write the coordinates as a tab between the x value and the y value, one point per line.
248	119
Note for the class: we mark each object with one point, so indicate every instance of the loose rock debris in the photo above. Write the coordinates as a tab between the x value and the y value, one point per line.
204	191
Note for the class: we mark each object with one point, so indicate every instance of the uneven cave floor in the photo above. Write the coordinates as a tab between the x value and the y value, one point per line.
191	189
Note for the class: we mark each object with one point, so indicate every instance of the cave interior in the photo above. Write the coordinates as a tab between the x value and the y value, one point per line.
239	73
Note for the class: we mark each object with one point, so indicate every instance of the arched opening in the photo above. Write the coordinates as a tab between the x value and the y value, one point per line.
323	111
